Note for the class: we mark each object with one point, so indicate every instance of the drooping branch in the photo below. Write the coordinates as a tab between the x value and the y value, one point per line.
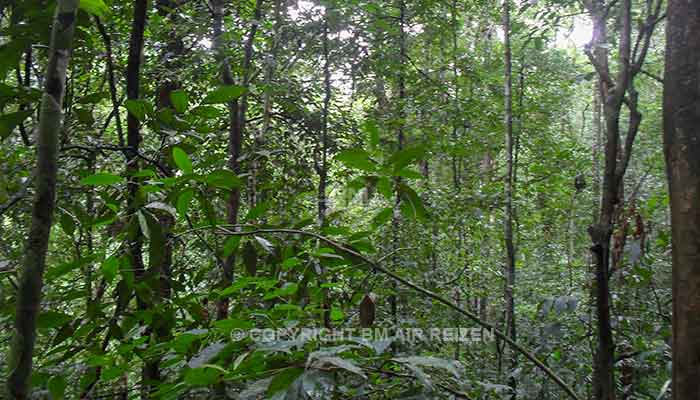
227	230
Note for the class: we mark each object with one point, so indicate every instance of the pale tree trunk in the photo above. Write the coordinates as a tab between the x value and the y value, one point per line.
682	151
509	187
31	281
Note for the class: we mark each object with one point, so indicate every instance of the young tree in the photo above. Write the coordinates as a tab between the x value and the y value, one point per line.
616	91
509	271
34	263
682	151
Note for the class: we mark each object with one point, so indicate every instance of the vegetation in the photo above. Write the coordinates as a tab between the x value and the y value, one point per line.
359	199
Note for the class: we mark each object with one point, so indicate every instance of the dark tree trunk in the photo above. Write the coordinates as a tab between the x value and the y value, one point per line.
31	280
133	141
508	221
237	120
682	151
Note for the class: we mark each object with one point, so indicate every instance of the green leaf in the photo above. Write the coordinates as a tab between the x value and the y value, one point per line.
406	156
408	173
224	94
382	217
282	380
101	179
227	325
143	224
94	7
288	289
9	121
256	211
204	376
370	127
179	99
57	387
183	202
109	268
208	112
337	314
137	108
52	319
223	179
182	160
411	204
290	263
357	159
231	245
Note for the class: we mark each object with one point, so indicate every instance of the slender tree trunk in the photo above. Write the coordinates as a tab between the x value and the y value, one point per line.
133	141
682	151
400	141
322	167
50	124
508	224
237	120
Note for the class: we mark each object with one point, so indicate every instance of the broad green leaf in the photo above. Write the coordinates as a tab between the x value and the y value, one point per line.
182	160
204	376
257	211
406	156
370	127
57	387
223	179
337	314
101	179
411	204
52	319
224	94
288	289
137	108
183	202
231	245
110	268
282	380
179	99
9	121
357	159
94	7
408	173
382	217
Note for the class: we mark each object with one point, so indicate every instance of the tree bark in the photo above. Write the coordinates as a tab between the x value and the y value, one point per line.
682	152
50	124
509	187
237	120
133	141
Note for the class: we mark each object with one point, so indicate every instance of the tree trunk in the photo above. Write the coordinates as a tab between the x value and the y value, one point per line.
31	281
322	162
509	187
237	121
682	151
133	141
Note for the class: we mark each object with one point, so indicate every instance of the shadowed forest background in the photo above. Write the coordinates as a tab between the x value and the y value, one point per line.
202	169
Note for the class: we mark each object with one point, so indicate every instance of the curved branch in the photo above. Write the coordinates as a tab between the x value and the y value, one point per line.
349	251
